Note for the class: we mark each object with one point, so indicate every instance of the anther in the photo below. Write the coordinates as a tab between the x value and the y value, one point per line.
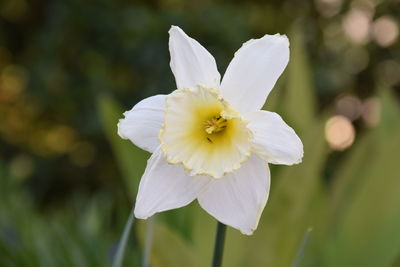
215	125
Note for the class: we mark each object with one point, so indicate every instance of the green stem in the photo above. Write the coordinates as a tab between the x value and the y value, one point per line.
219	245
119	256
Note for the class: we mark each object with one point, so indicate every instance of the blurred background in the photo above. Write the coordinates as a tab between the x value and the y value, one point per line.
69	68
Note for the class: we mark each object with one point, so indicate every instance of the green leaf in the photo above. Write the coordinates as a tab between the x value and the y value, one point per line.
131	159
119	256
169	249
299	100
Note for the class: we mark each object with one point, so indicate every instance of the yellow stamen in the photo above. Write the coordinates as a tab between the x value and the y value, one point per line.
203	133
215	125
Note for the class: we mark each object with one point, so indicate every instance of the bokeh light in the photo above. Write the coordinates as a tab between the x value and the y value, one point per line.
349	106
385	31
339	132
328	8
356	25
371	111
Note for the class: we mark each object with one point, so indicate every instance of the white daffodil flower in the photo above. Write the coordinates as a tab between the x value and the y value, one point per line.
210	140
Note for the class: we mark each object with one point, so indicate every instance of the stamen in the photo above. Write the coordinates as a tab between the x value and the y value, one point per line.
215	125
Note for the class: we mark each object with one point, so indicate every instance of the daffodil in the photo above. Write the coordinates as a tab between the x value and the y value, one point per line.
209	139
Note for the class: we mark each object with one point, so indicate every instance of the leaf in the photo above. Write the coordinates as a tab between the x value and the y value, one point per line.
169	249
350	174
119	256
131	159
299	101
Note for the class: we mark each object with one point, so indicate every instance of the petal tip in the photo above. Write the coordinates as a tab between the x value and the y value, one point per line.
300	160
140	214
285	39
281	38
248	232
174	29
119	129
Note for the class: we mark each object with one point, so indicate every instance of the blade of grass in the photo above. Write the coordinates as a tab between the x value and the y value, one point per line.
148	241
119	256
302	248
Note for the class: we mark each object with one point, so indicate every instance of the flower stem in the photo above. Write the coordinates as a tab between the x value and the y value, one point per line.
119	256
219	245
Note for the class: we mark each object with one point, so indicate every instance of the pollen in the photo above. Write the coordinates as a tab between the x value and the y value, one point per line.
215	125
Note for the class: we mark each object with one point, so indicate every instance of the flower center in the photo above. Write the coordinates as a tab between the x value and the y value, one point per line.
215	124
203	133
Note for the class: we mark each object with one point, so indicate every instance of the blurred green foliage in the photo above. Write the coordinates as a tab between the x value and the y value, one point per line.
68	69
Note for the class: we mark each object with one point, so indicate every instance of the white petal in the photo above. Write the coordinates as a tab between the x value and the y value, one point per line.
274	140
165	186
239	198
190	62
143	122
253	72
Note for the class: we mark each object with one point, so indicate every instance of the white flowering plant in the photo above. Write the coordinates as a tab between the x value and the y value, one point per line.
209	138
